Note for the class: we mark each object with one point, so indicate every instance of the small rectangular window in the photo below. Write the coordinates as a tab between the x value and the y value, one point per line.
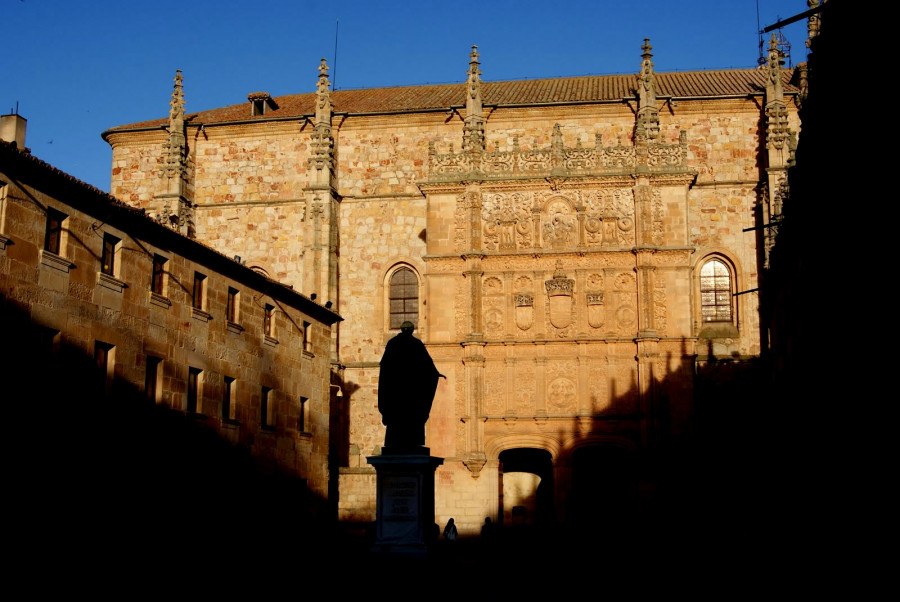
267	409
231	309
229	411
104	356
269	321
307	344
108	257
53	234
151	379
301	420
193	391
199	298
46	342
157	280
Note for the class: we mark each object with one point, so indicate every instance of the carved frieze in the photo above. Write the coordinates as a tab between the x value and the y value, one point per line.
556	161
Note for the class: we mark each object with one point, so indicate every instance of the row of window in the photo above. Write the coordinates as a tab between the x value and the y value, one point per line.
53	243
194	397
716	290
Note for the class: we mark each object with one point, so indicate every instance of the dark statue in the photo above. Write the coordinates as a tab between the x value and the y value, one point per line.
407	382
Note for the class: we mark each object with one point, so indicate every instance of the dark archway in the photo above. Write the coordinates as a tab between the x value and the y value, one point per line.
533	502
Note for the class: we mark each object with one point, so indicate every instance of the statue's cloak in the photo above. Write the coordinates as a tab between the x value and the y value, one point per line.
407	382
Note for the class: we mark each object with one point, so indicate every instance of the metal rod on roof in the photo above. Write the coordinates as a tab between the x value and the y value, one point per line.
337	23
794	19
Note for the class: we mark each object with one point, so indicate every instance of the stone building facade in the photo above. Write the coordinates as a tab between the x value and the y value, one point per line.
570	250
88	280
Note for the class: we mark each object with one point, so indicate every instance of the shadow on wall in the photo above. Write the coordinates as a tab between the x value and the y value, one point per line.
114	481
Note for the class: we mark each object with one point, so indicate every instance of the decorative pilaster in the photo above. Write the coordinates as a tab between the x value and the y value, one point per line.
473	132
321	252
475	457
779	143
646	289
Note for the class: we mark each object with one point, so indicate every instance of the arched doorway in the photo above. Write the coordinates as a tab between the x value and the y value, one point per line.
526	487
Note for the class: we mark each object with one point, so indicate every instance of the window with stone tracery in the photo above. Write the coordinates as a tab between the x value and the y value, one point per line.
403	298
716	292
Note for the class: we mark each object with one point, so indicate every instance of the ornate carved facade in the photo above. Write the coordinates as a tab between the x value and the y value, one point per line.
561	253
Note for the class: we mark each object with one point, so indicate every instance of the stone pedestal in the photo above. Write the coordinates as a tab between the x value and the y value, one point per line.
404	515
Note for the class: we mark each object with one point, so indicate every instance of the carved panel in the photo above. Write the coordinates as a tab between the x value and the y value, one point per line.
594	282
507	221
562	392
494	388
660	306
598	387
461	223
524	388
559	226
610	217
492	286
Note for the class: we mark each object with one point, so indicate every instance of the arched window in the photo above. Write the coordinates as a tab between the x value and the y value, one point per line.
404	298
716	292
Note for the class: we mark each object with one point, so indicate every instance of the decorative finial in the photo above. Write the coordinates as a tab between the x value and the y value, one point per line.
177	102
473	134
647	55
175	145
647	126
322	140
776	111
473	61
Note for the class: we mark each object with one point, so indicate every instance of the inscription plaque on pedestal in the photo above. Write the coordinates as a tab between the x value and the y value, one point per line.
405	502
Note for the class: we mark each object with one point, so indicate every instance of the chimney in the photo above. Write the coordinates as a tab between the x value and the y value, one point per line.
12	129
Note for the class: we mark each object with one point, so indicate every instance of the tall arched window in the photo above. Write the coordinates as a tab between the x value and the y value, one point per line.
716	292
404	298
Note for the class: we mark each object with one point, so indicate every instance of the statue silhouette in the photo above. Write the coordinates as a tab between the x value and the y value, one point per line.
407	382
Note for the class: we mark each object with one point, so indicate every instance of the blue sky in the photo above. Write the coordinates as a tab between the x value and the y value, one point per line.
75	68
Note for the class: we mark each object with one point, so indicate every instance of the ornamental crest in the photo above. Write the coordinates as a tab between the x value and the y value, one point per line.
524	310
595	310
560	291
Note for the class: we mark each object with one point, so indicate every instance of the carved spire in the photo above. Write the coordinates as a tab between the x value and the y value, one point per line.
776	110
322	139
174	160
473	134
647	126
323	95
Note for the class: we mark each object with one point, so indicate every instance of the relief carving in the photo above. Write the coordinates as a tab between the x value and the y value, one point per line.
494	388
507	221
560	291
595	310
610	217
660	308
492	286
559	228
524	310
561	396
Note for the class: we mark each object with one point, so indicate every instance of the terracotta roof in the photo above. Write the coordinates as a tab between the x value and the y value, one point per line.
585	89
